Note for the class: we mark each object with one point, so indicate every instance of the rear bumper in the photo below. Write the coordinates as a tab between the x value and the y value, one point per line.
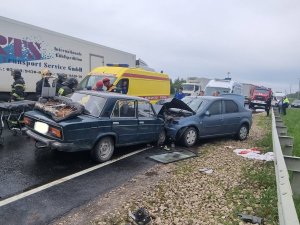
61	146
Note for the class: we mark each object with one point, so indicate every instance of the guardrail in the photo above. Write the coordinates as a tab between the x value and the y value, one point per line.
286	207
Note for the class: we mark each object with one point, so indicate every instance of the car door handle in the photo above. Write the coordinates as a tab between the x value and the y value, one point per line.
116	123
142	122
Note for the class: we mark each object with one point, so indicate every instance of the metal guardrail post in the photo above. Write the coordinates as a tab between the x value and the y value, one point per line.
293	164
286	207
286	143
282	130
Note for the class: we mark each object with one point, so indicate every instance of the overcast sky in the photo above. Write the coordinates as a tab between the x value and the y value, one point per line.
257	41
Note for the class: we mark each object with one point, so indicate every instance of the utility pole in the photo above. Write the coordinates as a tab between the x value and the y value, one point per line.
228	74
299	89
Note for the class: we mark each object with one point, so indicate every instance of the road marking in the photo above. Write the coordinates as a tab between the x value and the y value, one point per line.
64	179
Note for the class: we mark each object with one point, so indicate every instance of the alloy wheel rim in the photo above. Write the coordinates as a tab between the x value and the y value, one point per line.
191	137
243	132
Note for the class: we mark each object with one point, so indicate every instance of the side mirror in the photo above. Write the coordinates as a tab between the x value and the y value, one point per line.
207	113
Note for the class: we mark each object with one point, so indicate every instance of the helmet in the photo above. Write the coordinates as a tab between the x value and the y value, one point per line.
16	74
106	79
45	73
71	82
62	76
99	84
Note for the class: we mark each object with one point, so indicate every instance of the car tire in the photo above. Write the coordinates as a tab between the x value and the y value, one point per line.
161	138
243	132
103	150
189	137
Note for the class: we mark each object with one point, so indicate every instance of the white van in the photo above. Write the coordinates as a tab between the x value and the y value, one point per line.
224	86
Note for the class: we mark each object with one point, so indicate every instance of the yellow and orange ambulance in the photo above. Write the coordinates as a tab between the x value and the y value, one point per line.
139	82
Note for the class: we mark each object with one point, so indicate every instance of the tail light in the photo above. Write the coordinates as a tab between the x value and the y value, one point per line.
56	132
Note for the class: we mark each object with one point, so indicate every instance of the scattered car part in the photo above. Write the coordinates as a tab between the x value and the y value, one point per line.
177	155
251	219
140	216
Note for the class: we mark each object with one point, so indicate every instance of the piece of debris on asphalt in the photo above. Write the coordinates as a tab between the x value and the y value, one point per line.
206	170
251	219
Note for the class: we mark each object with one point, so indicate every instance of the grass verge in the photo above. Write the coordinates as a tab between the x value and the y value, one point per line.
261	199
292	121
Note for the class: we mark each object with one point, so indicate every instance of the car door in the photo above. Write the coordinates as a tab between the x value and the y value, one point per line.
212	120
124	121
231	116
148	124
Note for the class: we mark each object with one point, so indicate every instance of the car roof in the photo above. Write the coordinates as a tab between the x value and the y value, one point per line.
111	95
211	98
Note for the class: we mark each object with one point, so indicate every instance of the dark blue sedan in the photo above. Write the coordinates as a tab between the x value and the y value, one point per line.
202	117
109	120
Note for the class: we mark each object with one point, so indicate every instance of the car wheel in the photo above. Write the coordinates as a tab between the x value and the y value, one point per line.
189	137
162	137
103	150
243	132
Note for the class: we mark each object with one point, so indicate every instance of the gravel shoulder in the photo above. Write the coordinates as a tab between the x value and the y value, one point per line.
178	193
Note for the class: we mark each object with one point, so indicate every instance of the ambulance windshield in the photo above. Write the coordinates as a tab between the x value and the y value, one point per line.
90	81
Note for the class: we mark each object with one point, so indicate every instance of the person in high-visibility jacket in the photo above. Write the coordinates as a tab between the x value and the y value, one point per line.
18	87
69	87
285	104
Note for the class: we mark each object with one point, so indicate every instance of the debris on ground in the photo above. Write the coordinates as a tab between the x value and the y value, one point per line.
173	156
251	219
254	153
206	170
140	216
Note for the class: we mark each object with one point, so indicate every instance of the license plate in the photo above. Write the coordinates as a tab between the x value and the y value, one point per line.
41	127
258	102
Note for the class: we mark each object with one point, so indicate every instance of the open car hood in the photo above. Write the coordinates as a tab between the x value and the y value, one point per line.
171	103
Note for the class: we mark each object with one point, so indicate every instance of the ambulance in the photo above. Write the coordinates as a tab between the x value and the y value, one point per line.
138	81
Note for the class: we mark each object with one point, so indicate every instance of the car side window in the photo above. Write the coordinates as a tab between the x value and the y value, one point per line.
145	109
231	107
215	108
124	108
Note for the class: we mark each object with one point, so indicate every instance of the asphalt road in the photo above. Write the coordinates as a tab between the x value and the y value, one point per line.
23	168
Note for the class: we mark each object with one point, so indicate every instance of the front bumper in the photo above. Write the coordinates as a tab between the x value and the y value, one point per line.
66	147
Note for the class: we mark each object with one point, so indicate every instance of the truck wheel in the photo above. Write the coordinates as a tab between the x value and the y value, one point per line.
189	137
103	150
243	132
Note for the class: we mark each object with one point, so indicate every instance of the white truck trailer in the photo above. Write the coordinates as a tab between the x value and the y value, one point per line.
30	49
247	91
194	85
223	86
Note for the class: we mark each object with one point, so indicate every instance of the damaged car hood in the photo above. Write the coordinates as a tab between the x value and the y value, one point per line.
172	103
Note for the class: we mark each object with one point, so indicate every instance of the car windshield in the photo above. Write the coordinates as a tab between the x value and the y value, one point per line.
188	87
90	81
92	104
196	104
210	90
262	91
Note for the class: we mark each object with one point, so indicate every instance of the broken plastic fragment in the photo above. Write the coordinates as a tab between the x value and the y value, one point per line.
206	170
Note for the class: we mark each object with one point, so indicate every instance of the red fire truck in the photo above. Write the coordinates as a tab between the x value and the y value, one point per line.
259	97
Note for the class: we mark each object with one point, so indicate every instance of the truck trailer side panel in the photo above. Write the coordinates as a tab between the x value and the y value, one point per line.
30	49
